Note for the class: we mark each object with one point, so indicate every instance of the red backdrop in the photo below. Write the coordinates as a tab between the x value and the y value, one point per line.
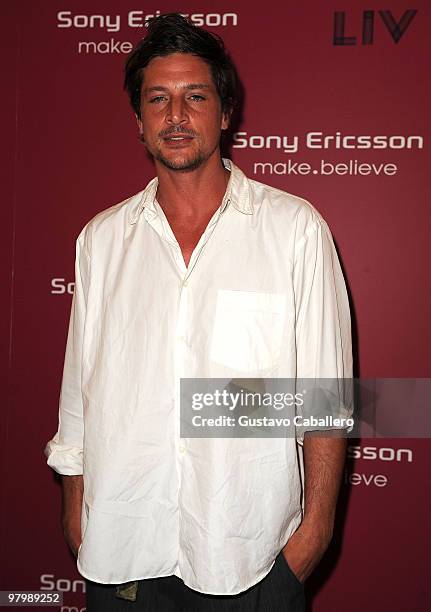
71	150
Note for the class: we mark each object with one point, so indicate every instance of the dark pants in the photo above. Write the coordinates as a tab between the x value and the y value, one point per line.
278	591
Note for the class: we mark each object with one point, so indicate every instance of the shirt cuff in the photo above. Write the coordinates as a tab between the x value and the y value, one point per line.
342	420
63	459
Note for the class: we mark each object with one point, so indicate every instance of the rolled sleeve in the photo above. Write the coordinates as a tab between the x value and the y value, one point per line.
323	327
64	451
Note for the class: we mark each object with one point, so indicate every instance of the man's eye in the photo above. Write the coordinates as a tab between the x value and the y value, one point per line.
197	97
156	99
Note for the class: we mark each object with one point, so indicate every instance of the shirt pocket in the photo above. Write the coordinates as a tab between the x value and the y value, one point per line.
247	331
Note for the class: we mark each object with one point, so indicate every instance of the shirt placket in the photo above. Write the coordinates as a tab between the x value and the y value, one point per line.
182	345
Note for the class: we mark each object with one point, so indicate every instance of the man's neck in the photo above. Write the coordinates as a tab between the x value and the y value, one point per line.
192	195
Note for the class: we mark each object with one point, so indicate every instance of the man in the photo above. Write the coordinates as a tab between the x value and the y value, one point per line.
203	274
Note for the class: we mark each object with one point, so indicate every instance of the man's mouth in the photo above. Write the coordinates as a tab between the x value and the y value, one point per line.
177	140
178	137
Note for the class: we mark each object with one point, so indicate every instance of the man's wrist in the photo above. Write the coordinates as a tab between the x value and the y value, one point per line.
317	528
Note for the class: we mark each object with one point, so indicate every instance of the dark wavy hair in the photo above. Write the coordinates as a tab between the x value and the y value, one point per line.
173	33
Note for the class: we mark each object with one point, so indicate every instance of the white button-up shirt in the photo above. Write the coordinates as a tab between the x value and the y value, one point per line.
262	296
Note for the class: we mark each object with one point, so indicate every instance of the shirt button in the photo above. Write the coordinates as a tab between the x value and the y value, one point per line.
185	284
182	449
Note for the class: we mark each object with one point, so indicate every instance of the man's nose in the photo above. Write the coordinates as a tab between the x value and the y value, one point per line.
176	112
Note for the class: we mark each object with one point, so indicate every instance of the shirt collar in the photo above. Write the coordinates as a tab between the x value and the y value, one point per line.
237	193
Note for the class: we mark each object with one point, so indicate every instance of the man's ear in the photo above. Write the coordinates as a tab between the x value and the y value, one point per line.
139	122
225	119
140	127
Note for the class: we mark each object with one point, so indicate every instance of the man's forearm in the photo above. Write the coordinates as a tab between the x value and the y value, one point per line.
72	494
324	456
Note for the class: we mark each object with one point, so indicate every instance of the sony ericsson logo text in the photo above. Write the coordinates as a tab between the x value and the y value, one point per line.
49	582
373	453
319	140
366	26
137	19
59	286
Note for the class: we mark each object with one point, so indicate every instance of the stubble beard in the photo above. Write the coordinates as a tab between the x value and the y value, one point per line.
182	165
186	164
